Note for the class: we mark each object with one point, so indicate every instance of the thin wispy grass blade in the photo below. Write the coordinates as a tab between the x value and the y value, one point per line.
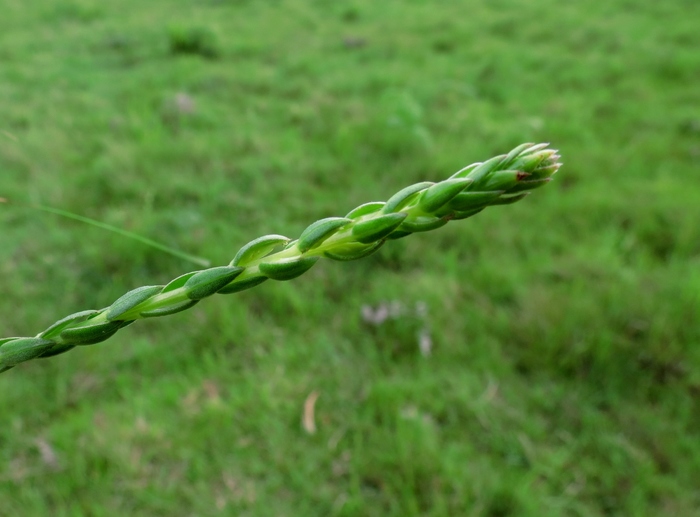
120	231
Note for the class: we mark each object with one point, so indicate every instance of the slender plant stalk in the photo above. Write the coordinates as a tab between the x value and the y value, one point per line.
124	233
421	207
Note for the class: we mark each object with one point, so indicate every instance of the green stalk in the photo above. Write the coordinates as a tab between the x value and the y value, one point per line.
120	231
503	179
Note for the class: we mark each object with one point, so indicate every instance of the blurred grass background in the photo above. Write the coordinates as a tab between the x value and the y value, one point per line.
564	377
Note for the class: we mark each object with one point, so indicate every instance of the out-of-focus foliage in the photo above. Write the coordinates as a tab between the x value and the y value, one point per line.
540	360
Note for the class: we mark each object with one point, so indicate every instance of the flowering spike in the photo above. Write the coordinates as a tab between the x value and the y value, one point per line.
501	180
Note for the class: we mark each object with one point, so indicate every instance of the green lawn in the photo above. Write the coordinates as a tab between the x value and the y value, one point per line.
564	378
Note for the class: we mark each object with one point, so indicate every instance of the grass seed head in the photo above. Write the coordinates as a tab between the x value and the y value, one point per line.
421	207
